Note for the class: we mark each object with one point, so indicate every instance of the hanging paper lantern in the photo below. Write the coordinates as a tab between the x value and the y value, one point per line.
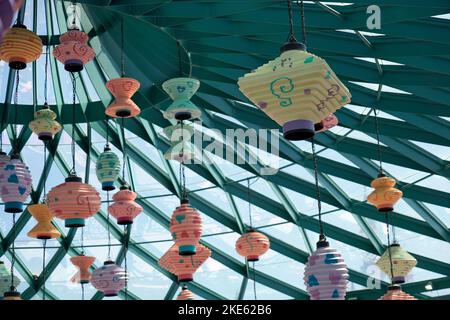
252	245
19	47
123	89
402	263
395	293
73	201
297	90
12	295
15	184
7	10
182	266
109	279
83	263
181	149
185	294
107	169
5	279
181	91
73	52
186	228
385	195
44	228
44	124
124	208
326	124
326	273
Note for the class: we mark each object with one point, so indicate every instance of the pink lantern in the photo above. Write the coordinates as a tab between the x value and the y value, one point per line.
252	245
74	52
15	184
326	124
186	228
73	201
109	279
185	294
124	208
326	273
123	89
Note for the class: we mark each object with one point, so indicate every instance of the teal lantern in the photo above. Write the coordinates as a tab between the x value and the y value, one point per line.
181	91
5	280
107	168
181	149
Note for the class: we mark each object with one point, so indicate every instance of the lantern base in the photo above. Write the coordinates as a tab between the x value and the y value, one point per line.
73	65
187	250
297	130
44	237
398	280
123	113
185	277
252	258
45	136
385	208
17	65
108	186
318	127
110	294
184	115
84	281
74	223
124	221
12	295
13	207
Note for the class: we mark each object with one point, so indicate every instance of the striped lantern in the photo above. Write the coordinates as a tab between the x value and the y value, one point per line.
326	273
109	279
186	228
385	195
44	229
7	10
402	263
326	124
297	90
395	292
44	124
181	91
83	263
185	294
252	245
19	47
4	159
5	279
184	267
73	50
123	89
15	184
73	201
181	148
124	208
107	169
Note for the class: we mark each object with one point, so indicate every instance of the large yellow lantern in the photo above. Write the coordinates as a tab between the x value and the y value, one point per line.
402	263
385	195
44	228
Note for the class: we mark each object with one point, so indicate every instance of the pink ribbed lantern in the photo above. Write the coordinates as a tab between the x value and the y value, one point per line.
185	294
182	266
326	273
74	52
124	209
73	201
252	245
15	184
326	124
395	292
109	279
186	228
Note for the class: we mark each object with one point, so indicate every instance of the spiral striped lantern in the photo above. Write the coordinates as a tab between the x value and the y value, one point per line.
44	124
124	208
326	124
184	267
181	91
252	245
19	47
15	184
107	169
181	148
123	89
395	292
385	195
7	10
402	263
109	279
83	263
44	229
185	294
297	90
5	279
73	201
326	274
186	228
73	52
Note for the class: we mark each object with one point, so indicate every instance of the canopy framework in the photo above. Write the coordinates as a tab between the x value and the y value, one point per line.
223	40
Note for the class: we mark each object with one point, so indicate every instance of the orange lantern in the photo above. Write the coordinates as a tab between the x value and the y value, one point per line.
252	245
395	293
181	266
44	228
20	46
186	228
73	52
385	195
124	208
185	294
123	89
83	263
73	201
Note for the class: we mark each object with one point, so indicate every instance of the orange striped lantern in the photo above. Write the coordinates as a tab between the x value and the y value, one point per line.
73	201
385	195
123	89
44	229
252	245
124	208
83	263
186	228
20	46
74	52
185	294
184	267
395	293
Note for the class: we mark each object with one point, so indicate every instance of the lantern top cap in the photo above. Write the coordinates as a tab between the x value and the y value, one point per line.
184	201
381	175
73	178
45	106
292	45
125	187
394	287
322	243
107	148
19	25
108	262
15	156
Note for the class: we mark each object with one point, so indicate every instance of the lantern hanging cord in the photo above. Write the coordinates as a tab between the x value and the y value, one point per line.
302	16
125	260
291	36
74	88
43	269
47	52
249	206
82	241
107	219
391	264
377	128
44	193
254	280
316	179
182	166
122	49
13	252
124	154
107	131
180	62
74	7
82	291
16	101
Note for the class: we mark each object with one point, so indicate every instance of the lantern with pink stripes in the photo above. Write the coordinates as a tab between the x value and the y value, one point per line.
124	208
252	245
109	279
395	292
